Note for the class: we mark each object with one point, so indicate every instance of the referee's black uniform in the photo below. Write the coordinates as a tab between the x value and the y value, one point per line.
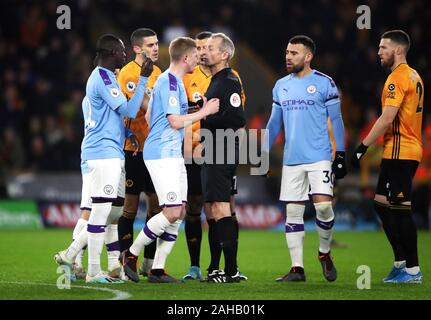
217	176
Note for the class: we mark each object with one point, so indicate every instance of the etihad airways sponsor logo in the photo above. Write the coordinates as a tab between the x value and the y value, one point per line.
298	103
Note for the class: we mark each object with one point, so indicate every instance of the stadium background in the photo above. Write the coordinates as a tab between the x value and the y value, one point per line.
44	71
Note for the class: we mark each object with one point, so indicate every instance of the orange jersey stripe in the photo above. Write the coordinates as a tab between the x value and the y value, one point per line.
128	79
404	89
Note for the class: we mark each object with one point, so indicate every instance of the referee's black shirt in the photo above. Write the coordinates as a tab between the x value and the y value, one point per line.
226	87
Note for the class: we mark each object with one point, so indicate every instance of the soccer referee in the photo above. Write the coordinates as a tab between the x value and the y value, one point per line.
218	169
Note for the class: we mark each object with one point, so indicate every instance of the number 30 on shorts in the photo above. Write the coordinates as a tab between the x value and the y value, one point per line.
328	177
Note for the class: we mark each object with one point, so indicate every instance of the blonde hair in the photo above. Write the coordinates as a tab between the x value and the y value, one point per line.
179	47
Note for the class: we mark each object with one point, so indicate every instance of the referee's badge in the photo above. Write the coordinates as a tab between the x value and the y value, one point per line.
131	86
235	100
115	92
311	89
173	101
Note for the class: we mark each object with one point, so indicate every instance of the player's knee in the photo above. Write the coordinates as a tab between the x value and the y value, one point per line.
324	211
381	199
131	203
115	214
85	214
192	217
174	227
129	215
207	211
295	213
173	213
220	210
194	205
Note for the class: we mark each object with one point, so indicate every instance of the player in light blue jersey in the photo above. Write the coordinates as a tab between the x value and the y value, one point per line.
302	103
163	140
102	155
167	116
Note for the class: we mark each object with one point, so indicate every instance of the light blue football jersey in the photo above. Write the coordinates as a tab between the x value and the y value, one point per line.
168	97
104	107
303	105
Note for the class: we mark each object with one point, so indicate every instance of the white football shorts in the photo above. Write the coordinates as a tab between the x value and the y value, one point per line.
169	178
298	181
103	179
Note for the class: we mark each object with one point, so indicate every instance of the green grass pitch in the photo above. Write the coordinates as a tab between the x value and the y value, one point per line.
28	271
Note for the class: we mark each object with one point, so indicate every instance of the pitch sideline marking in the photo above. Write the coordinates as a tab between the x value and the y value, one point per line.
118	294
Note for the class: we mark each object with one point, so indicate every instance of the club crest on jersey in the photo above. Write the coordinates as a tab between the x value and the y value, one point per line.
235	100
115	92
311	89
391	86
108	189
171	196
173	101
131	86
129	183
196	96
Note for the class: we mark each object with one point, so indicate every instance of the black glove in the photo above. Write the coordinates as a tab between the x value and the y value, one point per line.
339	165
357	155
200	102
147	67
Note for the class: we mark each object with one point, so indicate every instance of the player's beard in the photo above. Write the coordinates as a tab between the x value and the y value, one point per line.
295	68
389	62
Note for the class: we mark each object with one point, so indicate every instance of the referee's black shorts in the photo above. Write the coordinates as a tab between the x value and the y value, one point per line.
395	179
194	185
138	178
218	182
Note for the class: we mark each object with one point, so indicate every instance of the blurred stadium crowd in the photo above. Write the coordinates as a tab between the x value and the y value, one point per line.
44	70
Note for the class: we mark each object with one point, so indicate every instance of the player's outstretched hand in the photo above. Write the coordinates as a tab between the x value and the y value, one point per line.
211	106
147	67
339	165
358	154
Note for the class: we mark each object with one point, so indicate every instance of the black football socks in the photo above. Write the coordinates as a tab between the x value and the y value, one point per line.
226	233
193	231
391	230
